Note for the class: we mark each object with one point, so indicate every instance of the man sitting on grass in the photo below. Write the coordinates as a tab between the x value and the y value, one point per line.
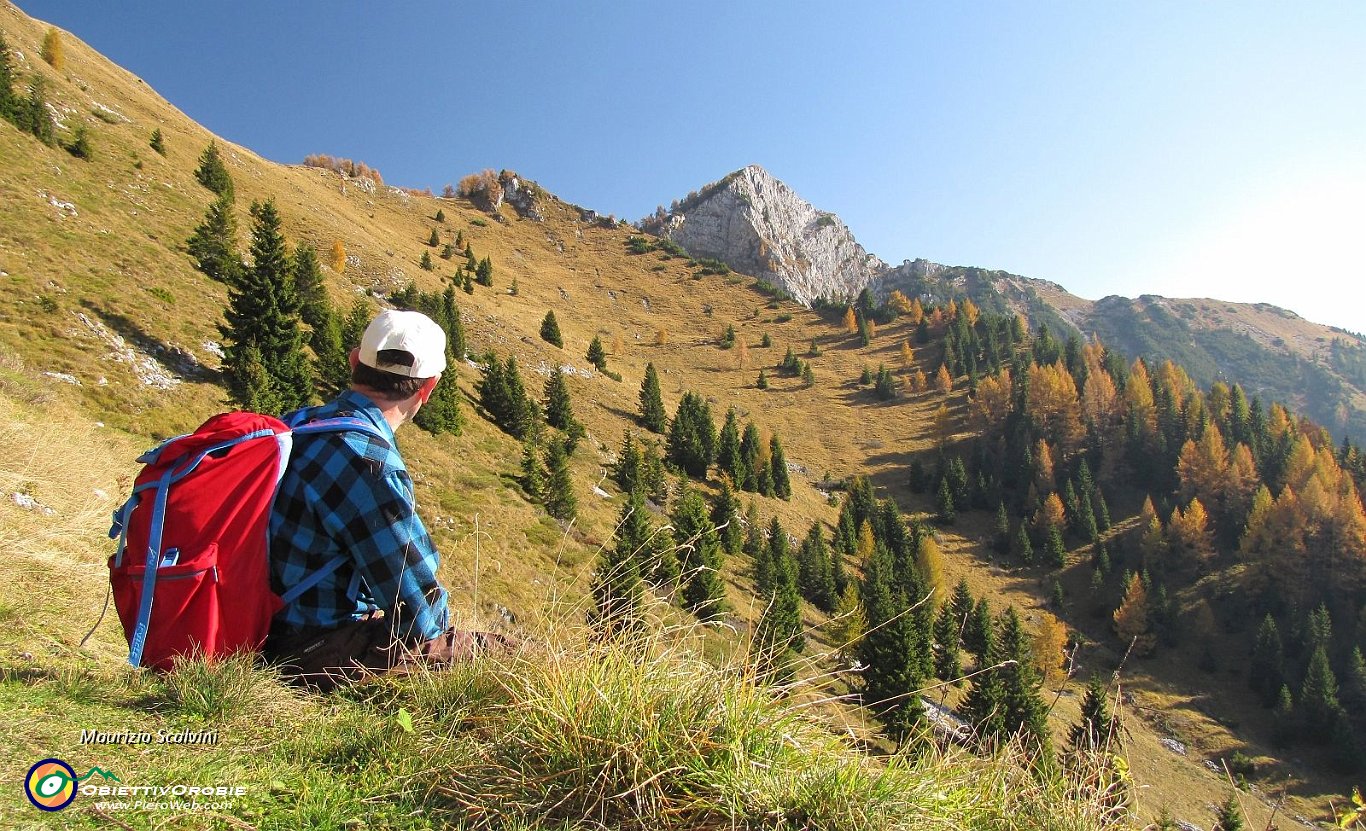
381	609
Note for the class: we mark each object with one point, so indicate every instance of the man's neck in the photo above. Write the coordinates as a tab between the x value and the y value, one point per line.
394	412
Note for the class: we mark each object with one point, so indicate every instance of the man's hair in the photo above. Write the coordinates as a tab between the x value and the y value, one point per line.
387	385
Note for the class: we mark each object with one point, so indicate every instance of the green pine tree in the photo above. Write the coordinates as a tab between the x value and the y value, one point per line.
814	580
889	649
353	326
1165	821
1354	683
762	381
1318	701
656	479
1095	731
9	102
664	568
314	306
597	356
778	636
1001	539
157	143
979	633
1102	511
330	364
426	262
262	324
448	316
1267	667
839	575
782	484
944	507
504	398
652	414
948	660
1055	552
441	413
212	173
435	239
550	330
250	385
749	453
559	500
80	145
1229	816
725	516
692	436
629	471
483	273
213	245
728	458
559	410
984	705
700	556
1285	724
1025	711
618	591
962	605
533	471
34	116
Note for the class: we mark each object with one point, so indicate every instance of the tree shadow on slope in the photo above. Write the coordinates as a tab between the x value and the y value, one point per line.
174	360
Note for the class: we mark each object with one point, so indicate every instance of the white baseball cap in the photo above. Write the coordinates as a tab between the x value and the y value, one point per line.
411	332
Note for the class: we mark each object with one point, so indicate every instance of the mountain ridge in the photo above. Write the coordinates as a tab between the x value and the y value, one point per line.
758	225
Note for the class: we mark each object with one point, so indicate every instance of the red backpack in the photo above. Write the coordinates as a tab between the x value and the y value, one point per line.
196	532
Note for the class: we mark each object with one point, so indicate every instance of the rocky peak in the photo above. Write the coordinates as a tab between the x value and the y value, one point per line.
758	225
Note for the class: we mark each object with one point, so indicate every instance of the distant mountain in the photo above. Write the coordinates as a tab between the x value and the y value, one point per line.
757	225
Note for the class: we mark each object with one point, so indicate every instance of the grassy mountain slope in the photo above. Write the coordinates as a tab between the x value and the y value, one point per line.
103	291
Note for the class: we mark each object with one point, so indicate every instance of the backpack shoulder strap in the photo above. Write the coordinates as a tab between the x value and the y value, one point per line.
339	424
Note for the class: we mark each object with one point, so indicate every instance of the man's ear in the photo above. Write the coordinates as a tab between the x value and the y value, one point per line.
353	357
425	392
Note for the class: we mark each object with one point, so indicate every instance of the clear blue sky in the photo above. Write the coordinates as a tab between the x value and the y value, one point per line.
1186	149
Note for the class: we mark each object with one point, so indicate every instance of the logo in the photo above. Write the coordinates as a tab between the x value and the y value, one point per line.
51	783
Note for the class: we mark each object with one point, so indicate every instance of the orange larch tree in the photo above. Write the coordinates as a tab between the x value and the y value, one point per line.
1131	618
989	408
338	261
1051	515
1050	647
943	382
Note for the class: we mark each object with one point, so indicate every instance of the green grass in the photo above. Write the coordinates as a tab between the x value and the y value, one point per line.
570	733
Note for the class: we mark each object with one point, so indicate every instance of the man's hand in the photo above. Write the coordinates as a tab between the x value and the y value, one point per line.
459	645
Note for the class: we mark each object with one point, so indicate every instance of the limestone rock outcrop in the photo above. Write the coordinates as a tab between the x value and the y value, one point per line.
757	225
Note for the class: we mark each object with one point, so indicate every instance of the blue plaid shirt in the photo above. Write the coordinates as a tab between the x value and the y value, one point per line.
347	493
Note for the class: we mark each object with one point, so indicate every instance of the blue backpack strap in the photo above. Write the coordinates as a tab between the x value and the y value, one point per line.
313	579
149	576
338	424
119	529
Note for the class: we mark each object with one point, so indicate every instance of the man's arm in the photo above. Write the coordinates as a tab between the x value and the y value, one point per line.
393	552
